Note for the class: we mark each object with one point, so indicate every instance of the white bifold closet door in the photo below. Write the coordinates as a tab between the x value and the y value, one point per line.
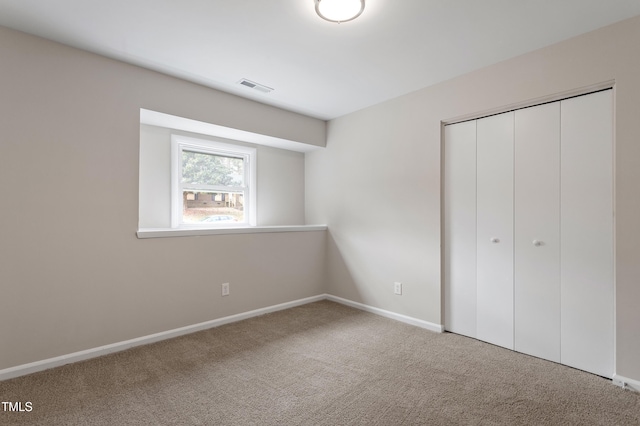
537	231
586	224
460	228
528	251
494	180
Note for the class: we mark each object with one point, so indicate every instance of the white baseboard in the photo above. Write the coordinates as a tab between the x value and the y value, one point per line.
45	364
626	383
388	314
33	367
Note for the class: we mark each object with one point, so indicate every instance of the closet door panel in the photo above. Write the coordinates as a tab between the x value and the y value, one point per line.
587	233
495	229
537	231
460	228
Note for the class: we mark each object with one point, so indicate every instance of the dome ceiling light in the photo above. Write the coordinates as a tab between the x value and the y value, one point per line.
339	10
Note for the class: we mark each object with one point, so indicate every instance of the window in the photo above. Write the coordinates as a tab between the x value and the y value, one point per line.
212	184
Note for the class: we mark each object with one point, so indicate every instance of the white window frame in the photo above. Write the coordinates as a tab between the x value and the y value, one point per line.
180	143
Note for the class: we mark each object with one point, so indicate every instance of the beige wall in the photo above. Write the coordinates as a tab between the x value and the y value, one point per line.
73	275
392	150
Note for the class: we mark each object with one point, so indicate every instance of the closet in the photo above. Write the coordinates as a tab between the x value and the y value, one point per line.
528	231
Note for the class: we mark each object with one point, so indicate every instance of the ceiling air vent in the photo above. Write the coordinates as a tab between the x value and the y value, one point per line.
255	86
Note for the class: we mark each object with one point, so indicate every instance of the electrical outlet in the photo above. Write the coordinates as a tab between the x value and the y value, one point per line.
225	289
397	288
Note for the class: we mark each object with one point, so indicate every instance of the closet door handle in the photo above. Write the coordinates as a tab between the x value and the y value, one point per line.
537	243
495	240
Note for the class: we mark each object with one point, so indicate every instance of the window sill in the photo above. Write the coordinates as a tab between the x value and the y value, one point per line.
170	232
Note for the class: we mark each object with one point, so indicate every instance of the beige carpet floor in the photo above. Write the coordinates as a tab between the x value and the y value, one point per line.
318	364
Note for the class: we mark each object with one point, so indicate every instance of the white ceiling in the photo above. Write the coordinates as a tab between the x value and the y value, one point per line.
317	68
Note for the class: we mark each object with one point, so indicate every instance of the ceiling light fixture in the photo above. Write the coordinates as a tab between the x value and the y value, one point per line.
339	10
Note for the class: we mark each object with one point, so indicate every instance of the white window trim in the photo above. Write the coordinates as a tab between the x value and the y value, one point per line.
167	233
178	144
